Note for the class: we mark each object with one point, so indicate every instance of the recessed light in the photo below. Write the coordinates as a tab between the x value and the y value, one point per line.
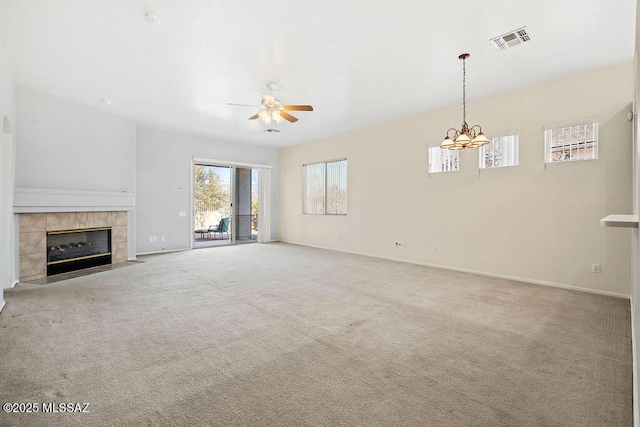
106	101
153	19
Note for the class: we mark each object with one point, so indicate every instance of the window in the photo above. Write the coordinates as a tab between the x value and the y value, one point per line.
325	188
571	143
501	151
443	160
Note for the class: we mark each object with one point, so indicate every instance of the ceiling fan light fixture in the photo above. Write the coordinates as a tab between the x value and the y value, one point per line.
265	116
277	117
272	110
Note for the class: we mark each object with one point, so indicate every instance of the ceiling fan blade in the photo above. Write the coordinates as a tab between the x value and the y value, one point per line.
255	116
288	116
298	107
243	105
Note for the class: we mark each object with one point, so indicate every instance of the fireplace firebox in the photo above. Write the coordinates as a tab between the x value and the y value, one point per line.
77	249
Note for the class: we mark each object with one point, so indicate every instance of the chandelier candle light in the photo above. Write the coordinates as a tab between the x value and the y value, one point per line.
467	137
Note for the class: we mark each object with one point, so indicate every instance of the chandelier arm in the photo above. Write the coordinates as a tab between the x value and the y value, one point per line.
456	132
471	129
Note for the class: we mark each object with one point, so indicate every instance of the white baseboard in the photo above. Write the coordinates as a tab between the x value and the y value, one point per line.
465	270
162	252
12	284
183	249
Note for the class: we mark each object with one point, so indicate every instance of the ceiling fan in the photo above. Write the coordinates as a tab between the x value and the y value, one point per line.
272	109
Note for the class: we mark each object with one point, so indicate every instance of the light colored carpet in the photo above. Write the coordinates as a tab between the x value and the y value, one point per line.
279	334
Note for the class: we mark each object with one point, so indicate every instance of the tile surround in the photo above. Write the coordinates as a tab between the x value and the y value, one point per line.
33	222
119	218
102	219
58	221
119	252
32	243
33	233
119	234
33	266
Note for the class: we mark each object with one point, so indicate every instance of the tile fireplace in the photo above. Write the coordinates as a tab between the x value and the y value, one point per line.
53	243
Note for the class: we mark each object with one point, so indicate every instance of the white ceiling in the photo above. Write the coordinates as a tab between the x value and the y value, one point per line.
358	62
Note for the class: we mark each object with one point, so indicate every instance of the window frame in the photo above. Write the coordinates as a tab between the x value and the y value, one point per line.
491	137
453	153
326	190
569	124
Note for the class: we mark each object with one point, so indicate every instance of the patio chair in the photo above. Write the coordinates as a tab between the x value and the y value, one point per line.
223	227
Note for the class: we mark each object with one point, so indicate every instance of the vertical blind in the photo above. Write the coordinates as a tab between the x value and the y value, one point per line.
314	179
325	188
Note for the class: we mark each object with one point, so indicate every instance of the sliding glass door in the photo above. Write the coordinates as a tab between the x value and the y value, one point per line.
212	205
225	205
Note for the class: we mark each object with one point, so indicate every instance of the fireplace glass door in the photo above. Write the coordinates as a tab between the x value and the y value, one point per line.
77	249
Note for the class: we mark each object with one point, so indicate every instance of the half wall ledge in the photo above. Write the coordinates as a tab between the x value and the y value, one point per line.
619	220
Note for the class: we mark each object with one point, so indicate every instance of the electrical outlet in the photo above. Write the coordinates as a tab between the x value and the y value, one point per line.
150	239
436	250
595	268
162	238
155	238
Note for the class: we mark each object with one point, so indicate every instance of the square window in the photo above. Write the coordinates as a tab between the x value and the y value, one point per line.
571	143
443	160
325	188
501	151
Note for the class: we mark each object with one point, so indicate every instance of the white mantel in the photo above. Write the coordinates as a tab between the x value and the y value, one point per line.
40	200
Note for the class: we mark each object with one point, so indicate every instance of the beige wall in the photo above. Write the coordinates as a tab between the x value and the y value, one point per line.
526	222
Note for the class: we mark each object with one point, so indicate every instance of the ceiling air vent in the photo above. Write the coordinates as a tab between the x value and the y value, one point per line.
511	39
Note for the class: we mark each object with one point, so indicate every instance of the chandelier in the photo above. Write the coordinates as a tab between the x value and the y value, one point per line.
467	137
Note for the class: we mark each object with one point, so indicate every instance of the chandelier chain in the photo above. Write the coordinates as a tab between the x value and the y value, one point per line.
464	93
